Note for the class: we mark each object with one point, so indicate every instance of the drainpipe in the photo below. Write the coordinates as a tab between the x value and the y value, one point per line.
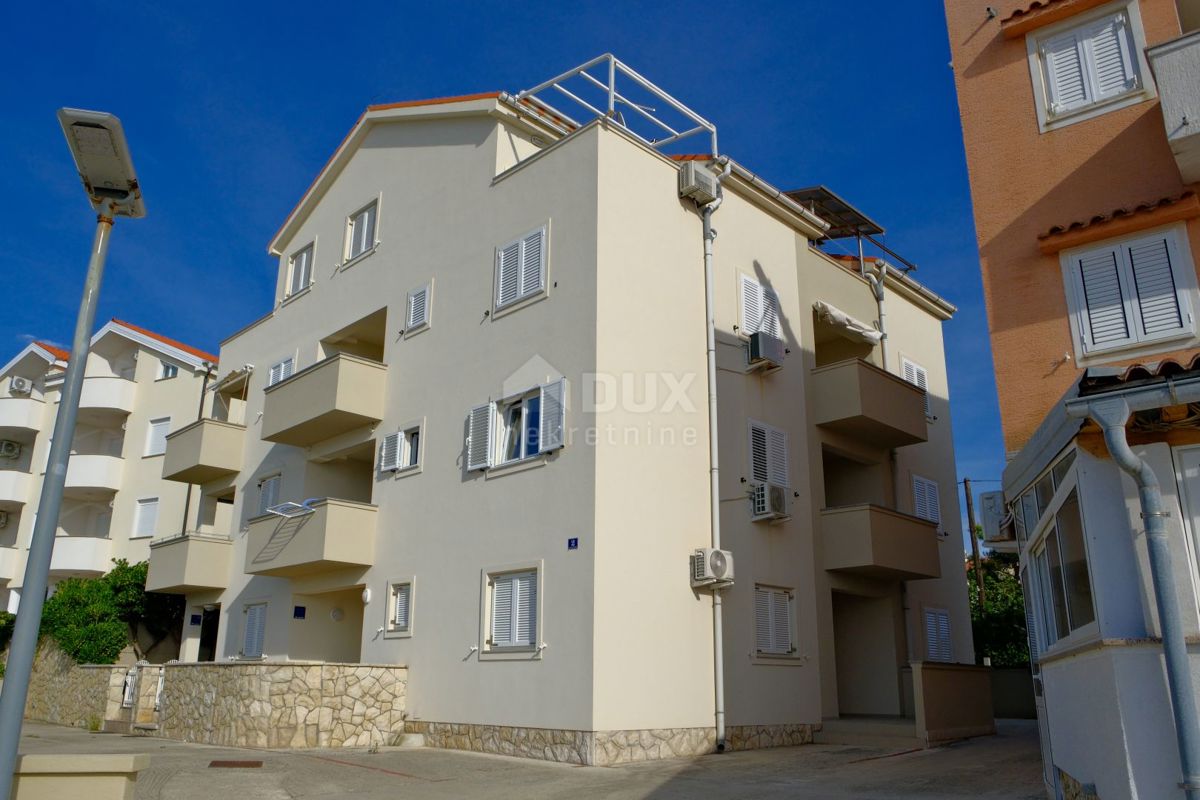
876	279
187	500
1111	414
710	234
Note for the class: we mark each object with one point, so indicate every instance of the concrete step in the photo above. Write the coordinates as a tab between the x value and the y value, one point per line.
882	732
408	740
115	726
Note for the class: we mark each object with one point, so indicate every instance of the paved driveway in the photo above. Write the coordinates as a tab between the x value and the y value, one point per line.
1002	766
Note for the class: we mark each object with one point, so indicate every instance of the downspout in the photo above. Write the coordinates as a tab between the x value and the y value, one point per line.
187	501
876	279
713	457
1111	414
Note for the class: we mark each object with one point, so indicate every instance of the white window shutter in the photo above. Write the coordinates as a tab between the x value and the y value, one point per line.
760	460
770	321
533	262
389	452
781	621
268	493
147	517
939	646
156	439
1066	73
255	632
1108	46
553	421
508	274
525	622
479	436
762	620
418	307
1104	317
281	371
1157	297
752	305
400	610
918	376
926	499
502	611
778	460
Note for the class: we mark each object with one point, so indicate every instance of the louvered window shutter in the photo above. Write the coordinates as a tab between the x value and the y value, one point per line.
268	493
525	601
502	611
752	306
418	308
281	371
508	274
147	517
553	419
1156	295
918	376
770	321
1108	47
533	262
156	440
939	645
479	436
760	460
1104	316
389	452
256	623
926	499
781	621
778	462
762	620
1066	73
400	609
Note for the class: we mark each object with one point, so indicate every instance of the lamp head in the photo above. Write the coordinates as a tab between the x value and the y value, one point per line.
102	158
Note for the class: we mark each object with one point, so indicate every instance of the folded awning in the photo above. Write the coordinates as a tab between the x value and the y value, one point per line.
846	325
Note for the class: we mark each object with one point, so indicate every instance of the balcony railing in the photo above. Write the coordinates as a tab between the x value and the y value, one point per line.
204	451
189	562
1176	67
862	401
333	396
334	535
879	543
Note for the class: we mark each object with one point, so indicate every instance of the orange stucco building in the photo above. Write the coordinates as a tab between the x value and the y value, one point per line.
1049	181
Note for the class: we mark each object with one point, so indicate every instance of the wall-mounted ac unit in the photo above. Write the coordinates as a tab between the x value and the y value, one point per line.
3	519
712	567
764	351
9	449
697	182
19	385
770	501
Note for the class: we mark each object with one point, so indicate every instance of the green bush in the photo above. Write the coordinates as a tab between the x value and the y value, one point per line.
7	621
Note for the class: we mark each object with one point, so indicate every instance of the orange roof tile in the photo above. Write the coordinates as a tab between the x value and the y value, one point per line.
691	157
57	352
172	342
1120	221
1042	12
435	101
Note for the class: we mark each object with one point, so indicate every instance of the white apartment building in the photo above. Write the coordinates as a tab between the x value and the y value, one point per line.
137	385
471	436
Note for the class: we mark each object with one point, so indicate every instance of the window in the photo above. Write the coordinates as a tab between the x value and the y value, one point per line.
145	517
255	630
768	454
517	428
300	267
400	450
167	370
1061	570
400	608
939	645
521	268
417	313
773	621
760	309
927	502
514	608
1131	292
361	232
915	374
281	371
1089	65
156	437
268	493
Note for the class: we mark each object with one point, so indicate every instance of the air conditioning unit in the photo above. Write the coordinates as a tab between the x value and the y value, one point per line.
765	351
712	567
770	501
19	385
10	449
697	182
3	519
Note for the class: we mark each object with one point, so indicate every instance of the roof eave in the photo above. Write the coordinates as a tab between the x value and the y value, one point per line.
150	342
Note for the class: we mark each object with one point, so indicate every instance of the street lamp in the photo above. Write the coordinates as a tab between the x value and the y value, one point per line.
97	143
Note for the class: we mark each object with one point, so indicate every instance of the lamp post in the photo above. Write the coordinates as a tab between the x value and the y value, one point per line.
97	143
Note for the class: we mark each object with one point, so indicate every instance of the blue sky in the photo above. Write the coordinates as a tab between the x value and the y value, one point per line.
232	108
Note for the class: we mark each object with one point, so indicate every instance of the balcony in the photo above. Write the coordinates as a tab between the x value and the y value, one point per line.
21	415
110	395
204	451
333	396
90	477
193	562
14	487
860	400
81	555
1176	67
879	543
10	564
337	534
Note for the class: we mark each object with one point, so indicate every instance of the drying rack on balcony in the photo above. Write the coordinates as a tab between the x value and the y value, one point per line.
289	510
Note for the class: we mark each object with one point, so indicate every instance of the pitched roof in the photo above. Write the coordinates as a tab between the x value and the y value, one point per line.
1119	221
187	348
54	350
1042	12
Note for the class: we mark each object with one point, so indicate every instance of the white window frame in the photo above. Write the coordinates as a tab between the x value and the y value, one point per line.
764	296
490	420
504	427
151	427
390	629
777	455
534	650
919	374
410	440
349	254
523	294
167	370
774	651
139	513
291	289
274	476
1145	90
1182	270
411	328
281	369
918	484
264	605
938	650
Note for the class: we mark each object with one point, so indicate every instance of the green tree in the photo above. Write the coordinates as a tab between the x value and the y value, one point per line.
999	626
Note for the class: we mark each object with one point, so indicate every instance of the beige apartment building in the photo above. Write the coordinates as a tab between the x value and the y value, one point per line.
137	385
472	437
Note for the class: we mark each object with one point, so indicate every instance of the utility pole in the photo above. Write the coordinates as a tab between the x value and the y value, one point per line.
974	543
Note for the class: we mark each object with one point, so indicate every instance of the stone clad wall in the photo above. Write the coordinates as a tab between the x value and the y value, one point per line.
279	705
65	693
